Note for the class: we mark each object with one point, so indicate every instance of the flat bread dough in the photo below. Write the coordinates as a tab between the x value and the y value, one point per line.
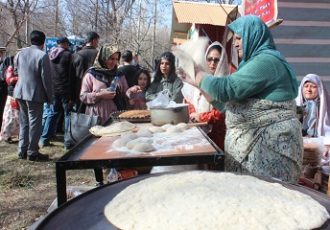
115	129
211	200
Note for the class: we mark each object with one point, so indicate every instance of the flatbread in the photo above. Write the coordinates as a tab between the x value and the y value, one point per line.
210	200
131	114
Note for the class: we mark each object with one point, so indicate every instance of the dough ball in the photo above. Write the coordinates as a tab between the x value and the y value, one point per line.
123	140
165	127
156	129
143	147
119	143
182	126
129	136
173	129
144	133
132	143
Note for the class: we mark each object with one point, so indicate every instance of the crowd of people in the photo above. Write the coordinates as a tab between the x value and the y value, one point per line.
45	88
251	111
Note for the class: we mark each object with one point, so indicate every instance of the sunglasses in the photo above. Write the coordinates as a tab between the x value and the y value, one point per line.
215	60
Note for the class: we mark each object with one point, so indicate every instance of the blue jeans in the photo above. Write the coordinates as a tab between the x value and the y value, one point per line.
48	124
52	114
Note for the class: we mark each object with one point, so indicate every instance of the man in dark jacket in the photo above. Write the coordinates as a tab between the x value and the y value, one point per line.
63	84
84	58
128	69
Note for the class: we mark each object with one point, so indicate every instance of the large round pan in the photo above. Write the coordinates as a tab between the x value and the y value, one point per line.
86	210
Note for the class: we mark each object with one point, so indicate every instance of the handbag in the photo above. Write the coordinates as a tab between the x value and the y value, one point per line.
80	124
120	100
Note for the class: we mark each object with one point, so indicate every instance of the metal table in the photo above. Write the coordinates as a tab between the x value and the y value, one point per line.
71	160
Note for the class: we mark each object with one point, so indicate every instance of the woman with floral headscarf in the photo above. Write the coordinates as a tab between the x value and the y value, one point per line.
313	96
263	135
94	93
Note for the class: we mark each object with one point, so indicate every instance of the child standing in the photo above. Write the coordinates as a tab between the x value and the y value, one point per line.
136	93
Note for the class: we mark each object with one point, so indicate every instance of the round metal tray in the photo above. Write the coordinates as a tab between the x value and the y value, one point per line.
86	210
115	116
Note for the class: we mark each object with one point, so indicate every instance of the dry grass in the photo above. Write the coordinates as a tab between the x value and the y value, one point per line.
28	188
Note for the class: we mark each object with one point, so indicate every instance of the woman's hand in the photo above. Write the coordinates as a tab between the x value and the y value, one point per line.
135	89
199	74
185	77
105	94
194	117
188	79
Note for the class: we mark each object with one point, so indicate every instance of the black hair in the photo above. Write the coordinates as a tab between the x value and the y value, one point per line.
127	56
37	38
215	47
171	59
90	36
147	73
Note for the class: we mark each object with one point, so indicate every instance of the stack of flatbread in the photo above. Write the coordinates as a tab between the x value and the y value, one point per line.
135	114
209	200
115	129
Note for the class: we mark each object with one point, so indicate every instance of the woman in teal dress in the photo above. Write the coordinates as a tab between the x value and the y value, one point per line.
263	134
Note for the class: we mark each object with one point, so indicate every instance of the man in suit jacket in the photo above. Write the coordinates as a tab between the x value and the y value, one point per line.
82	60
33	88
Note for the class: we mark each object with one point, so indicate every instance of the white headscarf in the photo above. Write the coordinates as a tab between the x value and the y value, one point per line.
323	124
199	102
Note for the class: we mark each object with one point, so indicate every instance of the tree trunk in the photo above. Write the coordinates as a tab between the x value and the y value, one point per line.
154	33
96	14
56	19
27	22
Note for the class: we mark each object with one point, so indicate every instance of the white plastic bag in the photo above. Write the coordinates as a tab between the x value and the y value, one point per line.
113	175
161	101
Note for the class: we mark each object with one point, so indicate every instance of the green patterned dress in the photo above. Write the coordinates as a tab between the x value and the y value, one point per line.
263	134
262	139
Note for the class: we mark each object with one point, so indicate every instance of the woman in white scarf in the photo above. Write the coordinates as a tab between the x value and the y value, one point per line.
313	96
200	109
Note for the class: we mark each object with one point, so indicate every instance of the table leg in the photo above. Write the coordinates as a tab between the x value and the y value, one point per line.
61	185
98	176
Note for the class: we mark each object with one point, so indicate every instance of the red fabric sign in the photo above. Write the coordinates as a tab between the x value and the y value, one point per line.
265	9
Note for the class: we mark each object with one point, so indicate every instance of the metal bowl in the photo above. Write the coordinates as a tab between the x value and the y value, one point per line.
173	115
